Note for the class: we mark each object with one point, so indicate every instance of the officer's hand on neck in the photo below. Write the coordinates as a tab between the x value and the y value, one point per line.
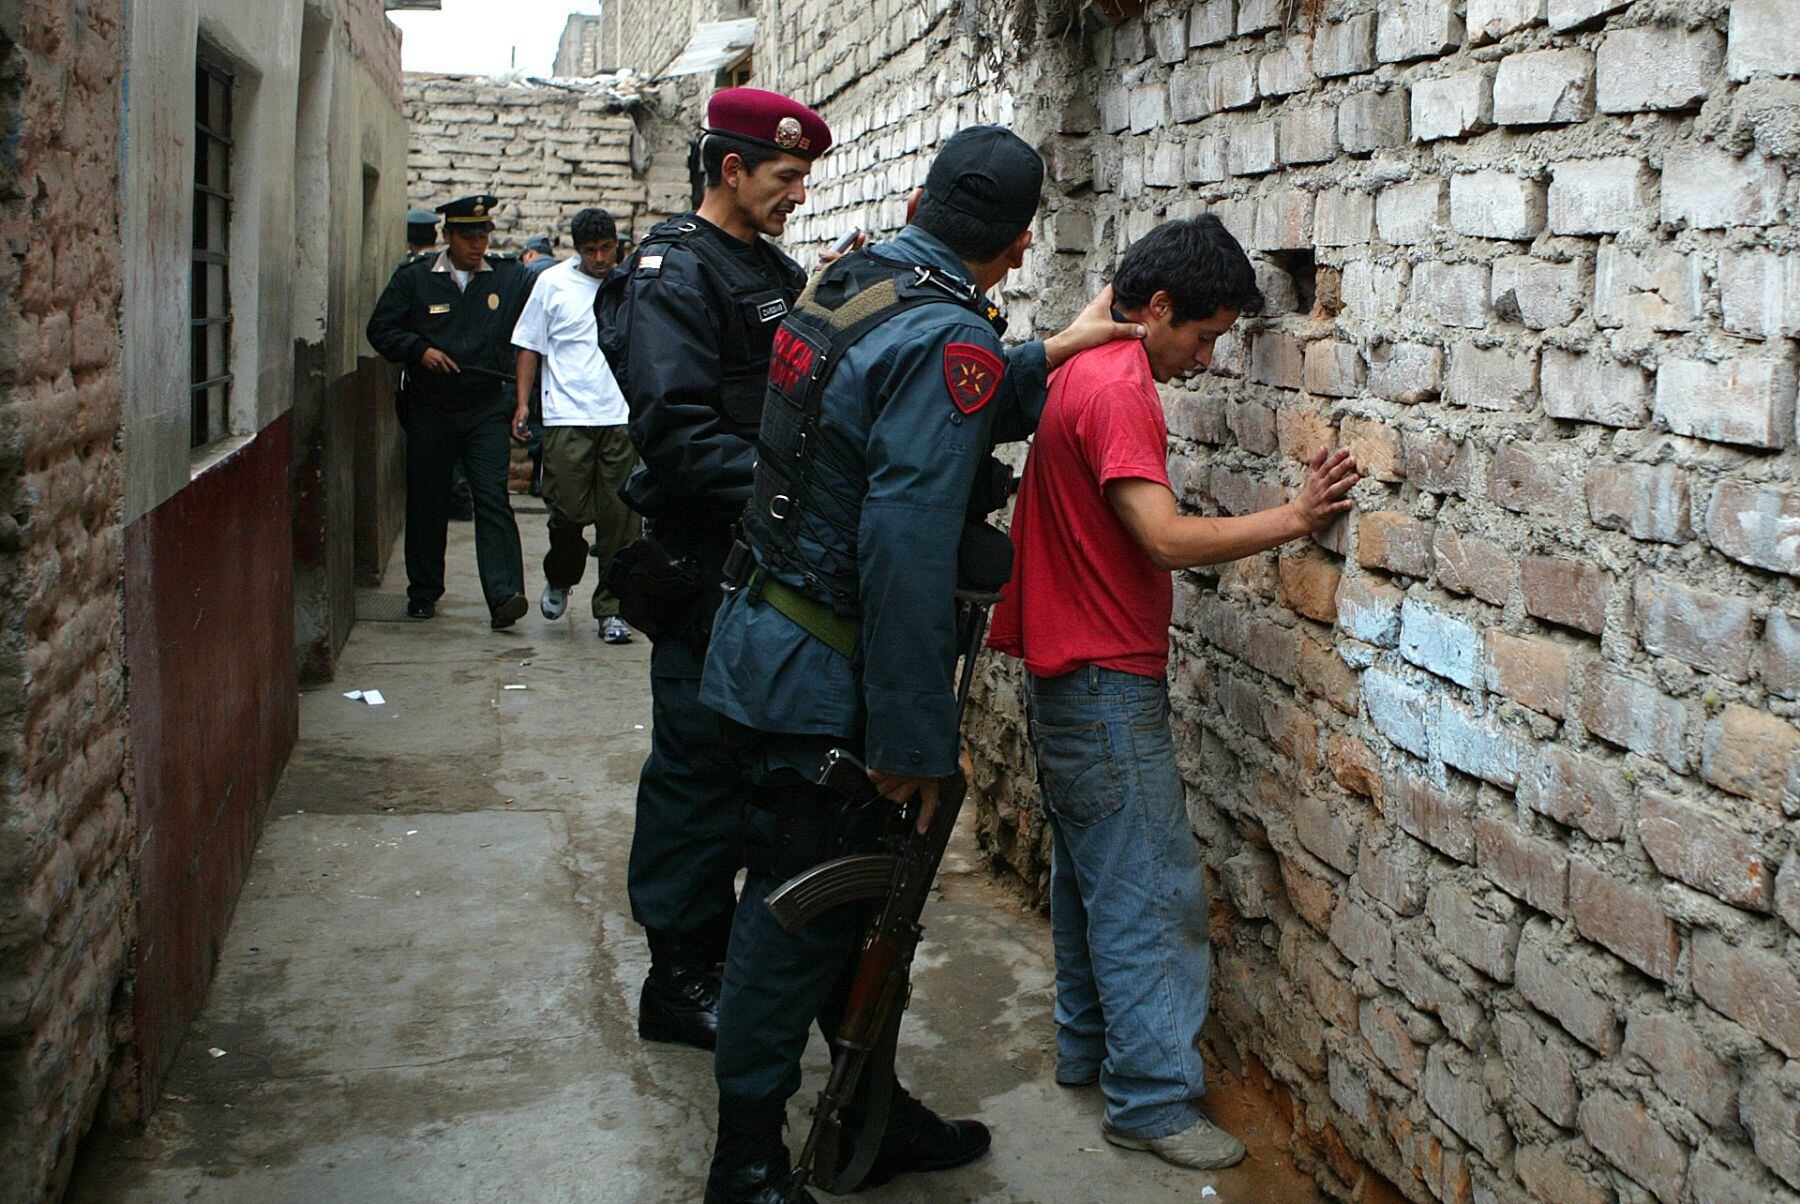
899	790
1092	326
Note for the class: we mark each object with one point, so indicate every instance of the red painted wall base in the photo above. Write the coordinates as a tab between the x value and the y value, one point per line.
209	647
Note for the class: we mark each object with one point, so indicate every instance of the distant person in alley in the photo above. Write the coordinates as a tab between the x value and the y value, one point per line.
587	449
421	232
448	318
539	255
1097	533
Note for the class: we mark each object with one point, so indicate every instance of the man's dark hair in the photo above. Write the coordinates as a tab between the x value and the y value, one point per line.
1196	261
591	225
972	239
421	234
714	148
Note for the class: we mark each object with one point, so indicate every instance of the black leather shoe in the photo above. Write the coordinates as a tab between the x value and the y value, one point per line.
918	1139
750	1160
762	1182
680	1004
510	611
420	610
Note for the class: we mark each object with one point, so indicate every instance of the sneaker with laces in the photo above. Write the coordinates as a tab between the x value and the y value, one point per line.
614	630
553	601
1202	1146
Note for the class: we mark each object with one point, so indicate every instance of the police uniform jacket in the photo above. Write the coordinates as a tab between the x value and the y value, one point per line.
898	438
421	308
698	318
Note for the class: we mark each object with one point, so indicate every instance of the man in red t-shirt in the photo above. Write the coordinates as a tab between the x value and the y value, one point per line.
1097	532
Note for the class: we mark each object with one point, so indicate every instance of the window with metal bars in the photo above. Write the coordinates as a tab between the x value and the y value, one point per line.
210	376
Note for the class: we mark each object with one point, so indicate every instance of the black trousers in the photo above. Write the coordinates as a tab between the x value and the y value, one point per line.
687	846
437	439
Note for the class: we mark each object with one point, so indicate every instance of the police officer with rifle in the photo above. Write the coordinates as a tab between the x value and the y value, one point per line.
887	389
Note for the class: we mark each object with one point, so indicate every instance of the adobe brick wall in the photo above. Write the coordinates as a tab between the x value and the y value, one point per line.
65	886
1499	778
545	152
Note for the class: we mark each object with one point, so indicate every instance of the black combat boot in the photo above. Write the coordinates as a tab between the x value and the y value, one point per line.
918	1139
680	1001
750	1161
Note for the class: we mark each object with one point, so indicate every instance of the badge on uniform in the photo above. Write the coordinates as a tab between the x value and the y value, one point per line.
768	311
973	374
442	307
493	300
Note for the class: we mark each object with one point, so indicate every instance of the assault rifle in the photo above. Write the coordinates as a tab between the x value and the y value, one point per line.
902	876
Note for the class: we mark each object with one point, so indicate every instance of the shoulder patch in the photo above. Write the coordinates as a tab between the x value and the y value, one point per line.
649	265
973	374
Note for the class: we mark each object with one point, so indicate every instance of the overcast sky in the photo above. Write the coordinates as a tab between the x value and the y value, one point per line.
478	37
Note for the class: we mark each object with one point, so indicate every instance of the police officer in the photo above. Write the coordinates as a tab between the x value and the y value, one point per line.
421	232
689	341
539	255
843	635
449	318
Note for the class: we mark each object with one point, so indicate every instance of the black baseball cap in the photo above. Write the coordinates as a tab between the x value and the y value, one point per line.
990	173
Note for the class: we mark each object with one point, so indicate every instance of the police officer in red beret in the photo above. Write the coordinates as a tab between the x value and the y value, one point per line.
686	325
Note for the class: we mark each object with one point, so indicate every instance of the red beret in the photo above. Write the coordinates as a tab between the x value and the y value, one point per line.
768	118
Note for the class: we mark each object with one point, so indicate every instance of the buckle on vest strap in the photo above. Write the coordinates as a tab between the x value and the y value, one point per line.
780	506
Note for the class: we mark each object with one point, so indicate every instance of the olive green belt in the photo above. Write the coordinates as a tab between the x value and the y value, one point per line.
837	632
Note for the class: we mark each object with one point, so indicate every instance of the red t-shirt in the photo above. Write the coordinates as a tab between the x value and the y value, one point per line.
1083	592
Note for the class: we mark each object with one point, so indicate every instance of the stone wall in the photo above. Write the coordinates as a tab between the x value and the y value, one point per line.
65	882
584	48
546	152
1498	779
1494	776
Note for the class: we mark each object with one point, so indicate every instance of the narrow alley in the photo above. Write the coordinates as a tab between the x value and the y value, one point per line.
428	988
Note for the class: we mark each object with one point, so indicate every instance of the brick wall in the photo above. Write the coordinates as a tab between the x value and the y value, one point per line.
545	152
64	834
1498	778
583	49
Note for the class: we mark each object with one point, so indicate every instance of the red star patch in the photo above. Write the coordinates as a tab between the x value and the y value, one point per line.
973	374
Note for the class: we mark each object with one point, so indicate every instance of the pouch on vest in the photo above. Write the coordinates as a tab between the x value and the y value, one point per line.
657	594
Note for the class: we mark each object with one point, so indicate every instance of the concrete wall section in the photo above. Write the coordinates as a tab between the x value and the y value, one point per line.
263	48
65	887
349	201
213	718
545	152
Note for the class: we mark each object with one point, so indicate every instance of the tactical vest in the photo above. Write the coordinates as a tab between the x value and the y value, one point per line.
748	325
841	304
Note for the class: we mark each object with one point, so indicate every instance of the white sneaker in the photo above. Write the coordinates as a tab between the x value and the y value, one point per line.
614	630
1202	1146
553	601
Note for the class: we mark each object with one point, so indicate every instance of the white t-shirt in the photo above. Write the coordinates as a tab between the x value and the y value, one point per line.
577	384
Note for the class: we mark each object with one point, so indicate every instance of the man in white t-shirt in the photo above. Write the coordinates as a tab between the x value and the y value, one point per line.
587	453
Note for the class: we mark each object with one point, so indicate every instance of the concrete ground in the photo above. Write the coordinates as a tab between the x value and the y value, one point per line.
429	988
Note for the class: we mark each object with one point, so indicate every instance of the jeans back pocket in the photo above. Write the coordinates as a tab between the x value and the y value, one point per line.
1077	771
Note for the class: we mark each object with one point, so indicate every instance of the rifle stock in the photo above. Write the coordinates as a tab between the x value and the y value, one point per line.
883	982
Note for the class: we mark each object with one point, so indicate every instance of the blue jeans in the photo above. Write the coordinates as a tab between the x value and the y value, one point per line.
1128	907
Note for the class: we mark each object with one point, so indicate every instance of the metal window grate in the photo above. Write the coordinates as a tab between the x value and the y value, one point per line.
210	289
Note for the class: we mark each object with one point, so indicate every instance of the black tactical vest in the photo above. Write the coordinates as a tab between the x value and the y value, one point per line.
846	301
747	325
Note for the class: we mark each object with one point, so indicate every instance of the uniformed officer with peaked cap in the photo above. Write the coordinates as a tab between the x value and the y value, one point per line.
843	636
449	318
688	338
421	231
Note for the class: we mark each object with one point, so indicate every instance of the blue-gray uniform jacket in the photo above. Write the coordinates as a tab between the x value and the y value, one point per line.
887	416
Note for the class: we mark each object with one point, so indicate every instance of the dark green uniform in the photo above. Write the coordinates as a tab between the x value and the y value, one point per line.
455	418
